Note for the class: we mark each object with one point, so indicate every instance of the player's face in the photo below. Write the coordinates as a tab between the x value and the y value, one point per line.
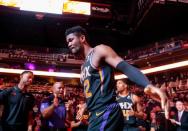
27	78
74	43
179	106
121	86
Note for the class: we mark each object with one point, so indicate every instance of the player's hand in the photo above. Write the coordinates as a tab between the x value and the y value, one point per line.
159	96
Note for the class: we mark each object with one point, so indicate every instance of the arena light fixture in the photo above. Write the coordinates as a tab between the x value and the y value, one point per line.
77	7
10	3
50	6
41	73
76	75
46	6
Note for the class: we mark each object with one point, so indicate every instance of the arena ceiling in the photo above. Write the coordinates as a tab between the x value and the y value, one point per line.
128	25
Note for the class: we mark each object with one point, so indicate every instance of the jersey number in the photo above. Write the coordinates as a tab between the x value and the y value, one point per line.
126	114
86	88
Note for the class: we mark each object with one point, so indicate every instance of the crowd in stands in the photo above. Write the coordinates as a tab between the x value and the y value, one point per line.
62	55
174	84
38	56
156	48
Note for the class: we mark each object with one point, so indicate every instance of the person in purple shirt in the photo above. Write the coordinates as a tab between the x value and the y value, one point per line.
53	110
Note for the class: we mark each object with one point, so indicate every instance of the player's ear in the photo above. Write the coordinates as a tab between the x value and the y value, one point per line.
83	38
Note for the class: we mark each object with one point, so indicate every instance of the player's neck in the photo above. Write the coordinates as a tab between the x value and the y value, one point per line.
87	50
124	93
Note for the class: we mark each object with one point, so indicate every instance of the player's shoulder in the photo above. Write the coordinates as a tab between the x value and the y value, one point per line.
102	48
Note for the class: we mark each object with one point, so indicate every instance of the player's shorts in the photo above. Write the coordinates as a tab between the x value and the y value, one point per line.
108	119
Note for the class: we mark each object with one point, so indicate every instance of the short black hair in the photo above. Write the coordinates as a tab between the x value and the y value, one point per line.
125	81
78	30
180	100
25	72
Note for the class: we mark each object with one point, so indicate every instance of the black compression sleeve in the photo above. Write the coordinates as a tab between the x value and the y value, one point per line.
133	73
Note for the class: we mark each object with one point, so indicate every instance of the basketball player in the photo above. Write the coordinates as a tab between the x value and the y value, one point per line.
130	106
97	78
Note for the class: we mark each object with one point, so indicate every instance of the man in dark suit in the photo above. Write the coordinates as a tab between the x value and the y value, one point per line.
181	120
